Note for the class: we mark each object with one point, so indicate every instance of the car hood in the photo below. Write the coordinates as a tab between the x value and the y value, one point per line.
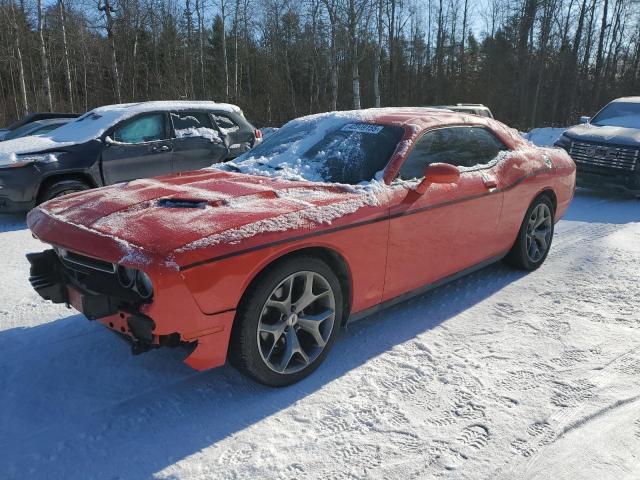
605	134
10	149
175	216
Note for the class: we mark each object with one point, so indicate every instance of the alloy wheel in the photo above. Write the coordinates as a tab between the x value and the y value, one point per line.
539	229
296	322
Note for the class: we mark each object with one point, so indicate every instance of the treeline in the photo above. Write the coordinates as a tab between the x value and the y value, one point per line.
533	62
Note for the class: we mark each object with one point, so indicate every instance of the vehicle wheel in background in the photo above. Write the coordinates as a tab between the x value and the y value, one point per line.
287	322
63	187
534	237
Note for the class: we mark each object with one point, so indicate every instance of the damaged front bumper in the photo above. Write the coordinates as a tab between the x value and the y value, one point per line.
90	287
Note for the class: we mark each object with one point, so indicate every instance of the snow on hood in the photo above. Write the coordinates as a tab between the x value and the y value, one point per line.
94	124
10	149
613	134
226	208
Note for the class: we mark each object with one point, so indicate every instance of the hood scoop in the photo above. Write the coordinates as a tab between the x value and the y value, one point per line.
181	203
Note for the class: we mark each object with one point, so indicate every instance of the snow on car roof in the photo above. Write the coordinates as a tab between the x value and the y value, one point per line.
141	107
95	122
627	100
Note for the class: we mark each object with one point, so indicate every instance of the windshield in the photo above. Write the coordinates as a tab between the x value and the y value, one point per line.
19	132
87	127
325	149
619	114
31	129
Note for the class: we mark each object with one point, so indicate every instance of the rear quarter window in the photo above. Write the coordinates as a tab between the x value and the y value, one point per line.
225	124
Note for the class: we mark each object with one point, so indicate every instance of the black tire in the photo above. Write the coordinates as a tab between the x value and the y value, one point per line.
520	254
244	347
60	188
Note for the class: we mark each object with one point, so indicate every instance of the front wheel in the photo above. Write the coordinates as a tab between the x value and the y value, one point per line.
61	188
287	322
534	237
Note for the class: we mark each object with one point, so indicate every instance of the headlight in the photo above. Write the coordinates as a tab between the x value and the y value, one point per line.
144	285
126	276
18	161
39	157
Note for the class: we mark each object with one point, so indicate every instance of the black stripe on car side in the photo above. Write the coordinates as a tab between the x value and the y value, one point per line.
360	224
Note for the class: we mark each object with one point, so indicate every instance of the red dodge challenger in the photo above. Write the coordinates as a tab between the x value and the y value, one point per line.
264	259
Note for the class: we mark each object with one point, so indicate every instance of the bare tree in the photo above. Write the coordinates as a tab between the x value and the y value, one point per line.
46	82
106	8
18	51
65	52
378	54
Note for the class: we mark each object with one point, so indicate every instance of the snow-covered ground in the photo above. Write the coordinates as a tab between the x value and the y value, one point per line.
500	375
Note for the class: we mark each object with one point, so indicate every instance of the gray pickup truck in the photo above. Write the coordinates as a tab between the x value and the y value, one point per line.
606	148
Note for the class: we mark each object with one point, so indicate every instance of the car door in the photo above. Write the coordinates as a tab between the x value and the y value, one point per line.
137	148
451	227
197	142
237	139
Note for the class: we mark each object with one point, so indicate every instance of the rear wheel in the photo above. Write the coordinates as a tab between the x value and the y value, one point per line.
287	322
61	188
534	237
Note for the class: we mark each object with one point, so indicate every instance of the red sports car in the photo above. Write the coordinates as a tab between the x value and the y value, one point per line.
335	216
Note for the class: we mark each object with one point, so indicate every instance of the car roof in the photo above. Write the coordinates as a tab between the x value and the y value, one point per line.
142	107
419	117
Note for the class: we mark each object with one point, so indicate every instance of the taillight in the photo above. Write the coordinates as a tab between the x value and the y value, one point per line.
258	134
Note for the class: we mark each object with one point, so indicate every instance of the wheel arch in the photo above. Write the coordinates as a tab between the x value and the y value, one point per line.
334	259
548	192
60	177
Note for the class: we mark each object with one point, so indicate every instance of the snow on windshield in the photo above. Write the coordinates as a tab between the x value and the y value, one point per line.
322	148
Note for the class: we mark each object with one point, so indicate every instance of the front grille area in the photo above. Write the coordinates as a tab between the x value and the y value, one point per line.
605	156
84	264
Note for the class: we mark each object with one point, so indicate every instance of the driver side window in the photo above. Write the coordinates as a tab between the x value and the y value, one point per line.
145	128
459	146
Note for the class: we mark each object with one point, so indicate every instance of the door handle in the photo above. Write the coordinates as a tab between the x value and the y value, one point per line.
490	182
163	148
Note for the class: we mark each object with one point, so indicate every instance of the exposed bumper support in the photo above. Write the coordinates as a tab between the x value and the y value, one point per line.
46	277
211	339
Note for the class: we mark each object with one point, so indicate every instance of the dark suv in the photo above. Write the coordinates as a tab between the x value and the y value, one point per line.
117	143
606	148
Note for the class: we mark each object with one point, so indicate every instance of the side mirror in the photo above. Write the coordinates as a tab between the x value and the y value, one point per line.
584	119
108	141
438	173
